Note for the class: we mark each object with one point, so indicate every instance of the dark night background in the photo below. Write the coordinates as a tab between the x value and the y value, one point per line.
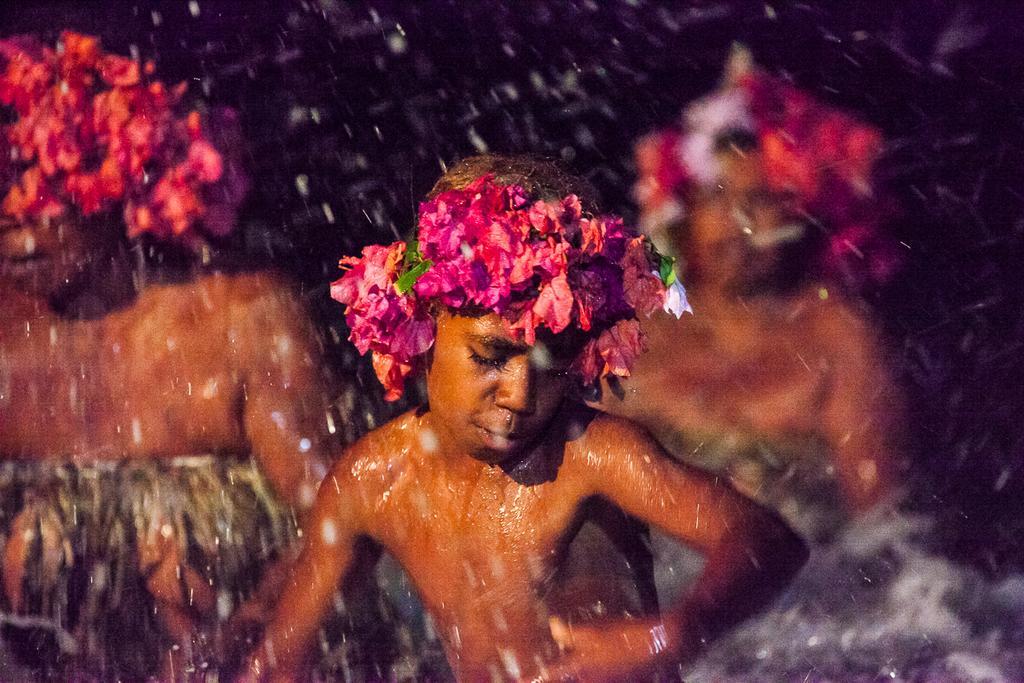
351	108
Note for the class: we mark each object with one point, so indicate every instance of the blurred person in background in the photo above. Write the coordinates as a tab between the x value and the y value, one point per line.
162	428
781	379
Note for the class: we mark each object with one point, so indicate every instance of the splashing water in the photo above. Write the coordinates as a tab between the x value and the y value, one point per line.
879	603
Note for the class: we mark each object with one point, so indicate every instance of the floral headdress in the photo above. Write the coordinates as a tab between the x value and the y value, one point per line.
536	264
819	155
92	132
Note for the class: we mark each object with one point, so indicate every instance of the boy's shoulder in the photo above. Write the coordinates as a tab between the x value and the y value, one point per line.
371	458
592	433
598	425
246	292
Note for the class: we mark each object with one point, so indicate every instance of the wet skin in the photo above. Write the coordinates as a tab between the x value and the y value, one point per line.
478	496
754	364
221	365
224	364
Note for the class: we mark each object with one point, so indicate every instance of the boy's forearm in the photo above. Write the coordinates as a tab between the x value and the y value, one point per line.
288	637
742	574
316	575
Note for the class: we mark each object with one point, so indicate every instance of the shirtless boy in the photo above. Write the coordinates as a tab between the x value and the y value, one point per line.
125	406
767	194
478	493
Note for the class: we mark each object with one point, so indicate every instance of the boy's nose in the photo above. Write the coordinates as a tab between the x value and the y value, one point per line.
517	387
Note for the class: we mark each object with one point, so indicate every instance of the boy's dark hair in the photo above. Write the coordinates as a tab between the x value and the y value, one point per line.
541	178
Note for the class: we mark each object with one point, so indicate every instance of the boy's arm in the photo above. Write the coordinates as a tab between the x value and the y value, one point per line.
285	403
329	536
750	553
863	413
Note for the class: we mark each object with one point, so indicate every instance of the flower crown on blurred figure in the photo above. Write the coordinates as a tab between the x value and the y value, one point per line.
488	247
93	132
822	157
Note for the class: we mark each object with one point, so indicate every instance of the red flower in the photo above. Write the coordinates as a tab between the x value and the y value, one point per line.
32	195
819	155
90	134
643	289
391	373
91	191
588	364
620	346
117	70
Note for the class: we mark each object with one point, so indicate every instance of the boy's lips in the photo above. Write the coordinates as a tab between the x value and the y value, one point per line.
24	265
23	252
499	439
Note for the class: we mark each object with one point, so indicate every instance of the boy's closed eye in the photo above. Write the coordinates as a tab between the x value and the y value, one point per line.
490	362
492	352
539	359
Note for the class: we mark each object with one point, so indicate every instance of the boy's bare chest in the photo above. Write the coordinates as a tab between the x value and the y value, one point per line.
484	513
481	556
478	536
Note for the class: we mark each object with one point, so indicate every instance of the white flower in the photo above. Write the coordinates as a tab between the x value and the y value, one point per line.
706	120
697	151
675	300
720	112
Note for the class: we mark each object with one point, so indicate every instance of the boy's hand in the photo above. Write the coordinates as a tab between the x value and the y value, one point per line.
613	650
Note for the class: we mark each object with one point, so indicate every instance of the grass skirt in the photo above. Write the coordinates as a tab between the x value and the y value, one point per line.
84	601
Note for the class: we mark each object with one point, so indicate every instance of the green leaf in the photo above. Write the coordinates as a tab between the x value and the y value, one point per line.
412	254
404	283
667	270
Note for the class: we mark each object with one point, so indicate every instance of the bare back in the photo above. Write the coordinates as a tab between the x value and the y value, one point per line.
773	369
221	364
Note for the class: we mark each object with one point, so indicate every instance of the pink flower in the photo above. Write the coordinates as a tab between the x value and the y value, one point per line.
377	269
535	265
413	337
204	163
557	219
554	304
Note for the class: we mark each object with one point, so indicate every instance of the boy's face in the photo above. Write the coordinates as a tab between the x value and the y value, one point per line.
39	258
491	395
736	229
